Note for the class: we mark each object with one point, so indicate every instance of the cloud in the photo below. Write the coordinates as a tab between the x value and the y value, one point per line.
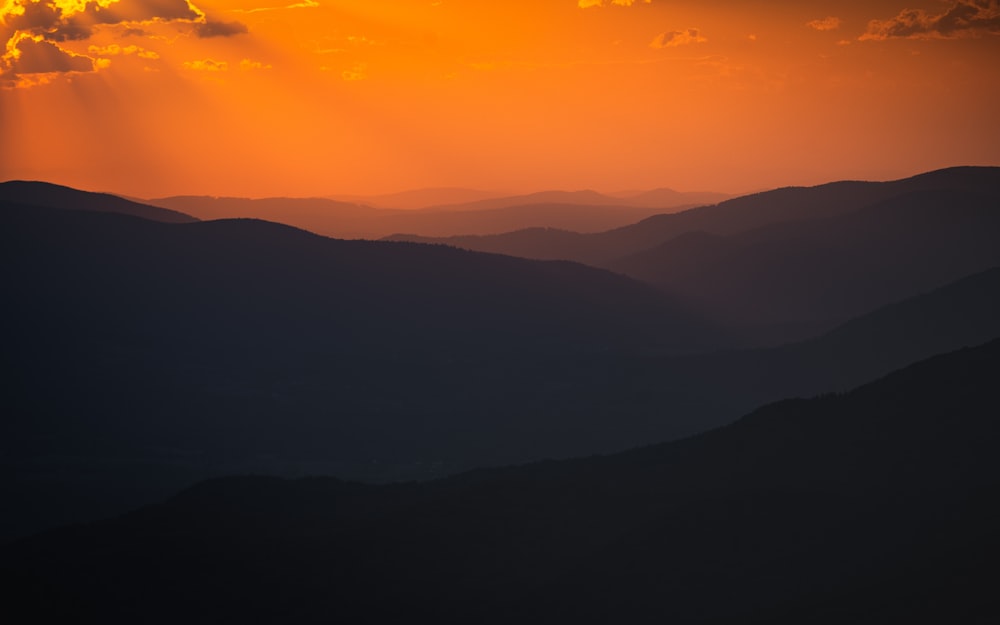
247	65
115	50
964	18
49	20
355	73
586	4
31	55
675	38
827	23
220	29
145	10
207	65
306	4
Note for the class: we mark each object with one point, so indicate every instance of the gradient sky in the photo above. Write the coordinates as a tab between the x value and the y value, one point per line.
318	97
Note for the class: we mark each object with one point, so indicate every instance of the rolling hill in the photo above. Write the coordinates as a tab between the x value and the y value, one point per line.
789	280
55	196
358	221
877	505
186	350
725	218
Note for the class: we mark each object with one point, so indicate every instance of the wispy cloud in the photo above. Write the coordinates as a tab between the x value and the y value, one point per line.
827	23
247	65
206	65
116	50
674	38
358	72
306	4
587	4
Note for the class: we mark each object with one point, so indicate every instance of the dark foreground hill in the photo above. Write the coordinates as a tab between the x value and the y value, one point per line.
879	505
56	196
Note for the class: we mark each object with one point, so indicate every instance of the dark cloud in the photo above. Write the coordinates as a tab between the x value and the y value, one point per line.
964	18
142	11
220	29
41	57
36	16
43	17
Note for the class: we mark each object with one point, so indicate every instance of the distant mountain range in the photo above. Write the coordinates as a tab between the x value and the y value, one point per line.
419	198
878	505
582	211
471	199
661	199
183	351
787	264
147	351
729	217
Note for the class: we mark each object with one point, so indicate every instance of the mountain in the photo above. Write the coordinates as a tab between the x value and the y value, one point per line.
877	505
320	215
445	221
787	280
419	198
53	195
185	352
357	221
153	354
964	313
725	218
666	198
661	199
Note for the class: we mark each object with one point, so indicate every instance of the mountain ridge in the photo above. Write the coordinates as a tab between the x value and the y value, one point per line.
47	194
795	504
727	217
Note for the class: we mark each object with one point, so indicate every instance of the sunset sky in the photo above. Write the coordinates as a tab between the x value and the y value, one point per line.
323	97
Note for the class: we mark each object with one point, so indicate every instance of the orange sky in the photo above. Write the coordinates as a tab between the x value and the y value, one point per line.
319	97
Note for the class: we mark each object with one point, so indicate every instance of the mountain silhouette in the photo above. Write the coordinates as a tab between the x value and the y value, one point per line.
662	199
792	279
184	352
188	350
577	211
324	216
419	198
669	198
56	196
877	505
725	218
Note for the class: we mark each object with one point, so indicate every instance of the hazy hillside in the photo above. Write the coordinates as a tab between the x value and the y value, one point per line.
729	217
664	200
419	198
182	352
187	350
56	196
345	220
878	505
789	280
358	221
